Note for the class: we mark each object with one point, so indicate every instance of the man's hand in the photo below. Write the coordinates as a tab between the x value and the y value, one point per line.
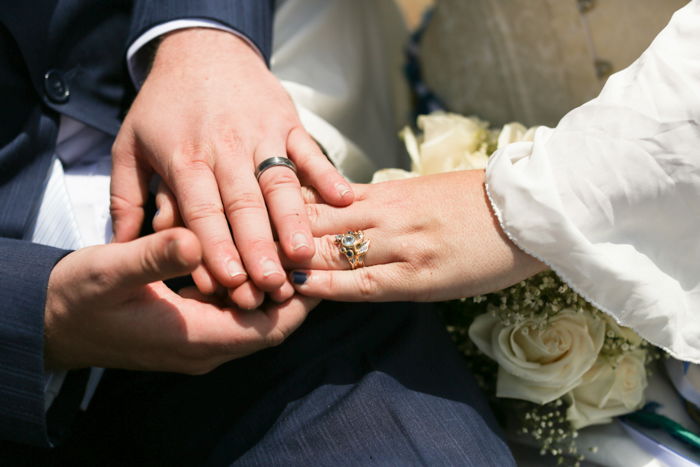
207	115
107	307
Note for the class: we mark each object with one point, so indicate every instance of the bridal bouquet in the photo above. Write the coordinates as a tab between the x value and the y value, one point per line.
551	361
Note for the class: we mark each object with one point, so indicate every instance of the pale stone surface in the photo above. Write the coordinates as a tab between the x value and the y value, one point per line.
532	60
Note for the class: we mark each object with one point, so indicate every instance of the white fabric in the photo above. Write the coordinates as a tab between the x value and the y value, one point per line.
609	198
55	226
74	212
138	63
87	184
341	63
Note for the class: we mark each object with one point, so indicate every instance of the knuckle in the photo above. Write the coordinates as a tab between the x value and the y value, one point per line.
312	213
99	278
150	260
280	181
194	164
366	283
202	211
426	254
363	195
229	142
301	138
244	202
183	163
329	252
119	204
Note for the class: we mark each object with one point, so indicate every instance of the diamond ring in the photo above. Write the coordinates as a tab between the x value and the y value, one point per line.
353	246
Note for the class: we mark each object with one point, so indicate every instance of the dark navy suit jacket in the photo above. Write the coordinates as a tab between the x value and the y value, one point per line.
64	57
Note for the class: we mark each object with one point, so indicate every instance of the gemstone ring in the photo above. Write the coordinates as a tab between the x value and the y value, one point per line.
353	246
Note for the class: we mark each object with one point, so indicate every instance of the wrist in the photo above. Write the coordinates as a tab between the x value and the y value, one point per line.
56	310
504	263
518	264
203	45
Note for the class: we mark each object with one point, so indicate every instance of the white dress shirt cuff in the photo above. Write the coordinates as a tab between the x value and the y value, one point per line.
138	58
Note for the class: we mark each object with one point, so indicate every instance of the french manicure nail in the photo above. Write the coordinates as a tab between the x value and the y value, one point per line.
299	277
234	270
343	189
299	240
269	267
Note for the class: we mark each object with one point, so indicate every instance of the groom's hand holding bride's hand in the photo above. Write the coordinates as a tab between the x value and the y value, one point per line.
106	306
208	113
431	238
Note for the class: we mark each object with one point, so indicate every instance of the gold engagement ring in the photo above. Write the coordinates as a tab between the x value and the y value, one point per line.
353	246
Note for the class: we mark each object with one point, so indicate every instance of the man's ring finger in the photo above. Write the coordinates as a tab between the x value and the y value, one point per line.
273	162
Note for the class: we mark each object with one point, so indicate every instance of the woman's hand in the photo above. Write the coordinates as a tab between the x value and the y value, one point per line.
431	238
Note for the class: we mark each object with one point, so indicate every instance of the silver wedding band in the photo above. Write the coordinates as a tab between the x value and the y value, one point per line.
274	162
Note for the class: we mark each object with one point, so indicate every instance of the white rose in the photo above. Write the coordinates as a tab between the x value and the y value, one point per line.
413	148
515	132
608	391
451	142
386	175
540	365
448	142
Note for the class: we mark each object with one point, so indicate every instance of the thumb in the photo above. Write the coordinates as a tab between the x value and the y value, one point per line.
128	191
163	255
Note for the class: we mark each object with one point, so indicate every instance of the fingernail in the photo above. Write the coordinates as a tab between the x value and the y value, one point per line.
299	240
299	277
343	189
269	268
234	270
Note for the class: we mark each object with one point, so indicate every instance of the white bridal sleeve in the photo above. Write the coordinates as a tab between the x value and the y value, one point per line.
610	198
341	62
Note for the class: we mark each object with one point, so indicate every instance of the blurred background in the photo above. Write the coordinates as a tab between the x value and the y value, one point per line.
413	9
